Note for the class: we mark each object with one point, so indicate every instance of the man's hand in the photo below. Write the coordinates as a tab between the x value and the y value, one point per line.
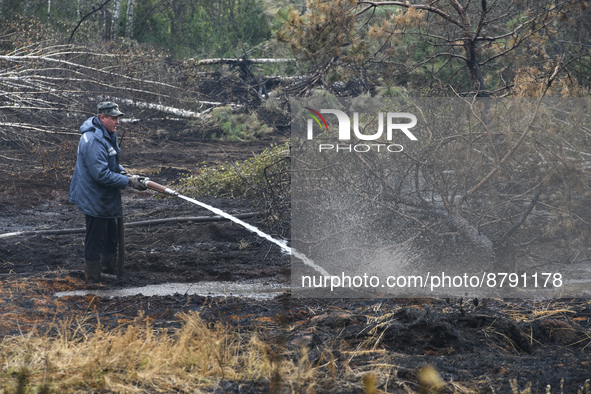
134	181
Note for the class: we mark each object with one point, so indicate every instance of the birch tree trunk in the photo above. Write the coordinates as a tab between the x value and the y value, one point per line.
115	20
105	23
129	20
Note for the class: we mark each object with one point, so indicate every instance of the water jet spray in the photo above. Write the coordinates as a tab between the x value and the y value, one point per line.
282	244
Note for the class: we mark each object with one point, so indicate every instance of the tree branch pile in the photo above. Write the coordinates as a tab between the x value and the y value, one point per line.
485	175
42	87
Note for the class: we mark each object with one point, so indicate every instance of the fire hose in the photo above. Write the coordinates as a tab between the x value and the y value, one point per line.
152	222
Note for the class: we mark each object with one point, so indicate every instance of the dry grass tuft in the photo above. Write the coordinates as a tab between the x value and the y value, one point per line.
197	357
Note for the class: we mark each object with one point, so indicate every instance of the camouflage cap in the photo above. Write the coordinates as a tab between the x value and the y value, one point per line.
109	108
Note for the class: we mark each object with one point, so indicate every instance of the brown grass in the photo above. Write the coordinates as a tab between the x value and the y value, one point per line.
141	358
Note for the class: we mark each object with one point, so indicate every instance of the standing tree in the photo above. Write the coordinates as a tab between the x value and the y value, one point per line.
115	19
129	19
426	42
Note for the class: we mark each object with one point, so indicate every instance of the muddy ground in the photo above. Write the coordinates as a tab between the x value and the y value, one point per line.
476	346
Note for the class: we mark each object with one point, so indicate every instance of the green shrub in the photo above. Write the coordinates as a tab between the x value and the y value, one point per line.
239	127
264	174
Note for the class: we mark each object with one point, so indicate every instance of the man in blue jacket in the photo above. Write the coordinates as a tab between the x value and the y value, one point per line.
96	186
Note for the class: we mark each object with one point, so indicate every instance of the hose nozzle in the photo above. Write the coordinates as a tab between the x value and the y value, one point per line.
158	187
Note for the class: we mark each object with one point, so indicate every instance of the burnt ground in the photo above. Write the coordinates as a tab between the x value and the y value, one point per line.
491	345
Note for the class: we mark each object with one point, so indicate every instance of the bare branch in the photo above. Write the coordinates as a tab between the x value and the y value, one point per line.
524	216
86	16
26	126
406	4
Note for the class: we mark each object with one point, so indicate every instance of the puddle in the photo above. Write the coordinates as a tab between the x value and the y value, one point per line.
246	289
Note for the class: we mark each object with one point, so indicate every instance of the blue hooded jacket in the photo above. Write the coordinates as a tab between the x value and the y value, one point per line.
97	180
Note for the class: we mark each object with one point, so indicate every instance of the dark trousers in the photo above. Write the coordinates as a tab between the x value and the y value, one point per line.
101	237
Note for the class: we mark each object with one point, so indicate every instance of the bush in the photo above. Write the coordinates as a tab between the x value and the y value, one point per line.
239	127
248	178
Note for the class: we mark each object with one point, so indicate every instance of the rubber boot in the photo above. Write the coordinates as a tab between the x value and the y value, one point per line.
92	271
109	263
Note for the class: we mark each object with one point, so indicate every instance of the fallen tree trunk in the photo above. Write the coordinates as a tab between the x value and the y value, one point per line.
207	62
183	113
